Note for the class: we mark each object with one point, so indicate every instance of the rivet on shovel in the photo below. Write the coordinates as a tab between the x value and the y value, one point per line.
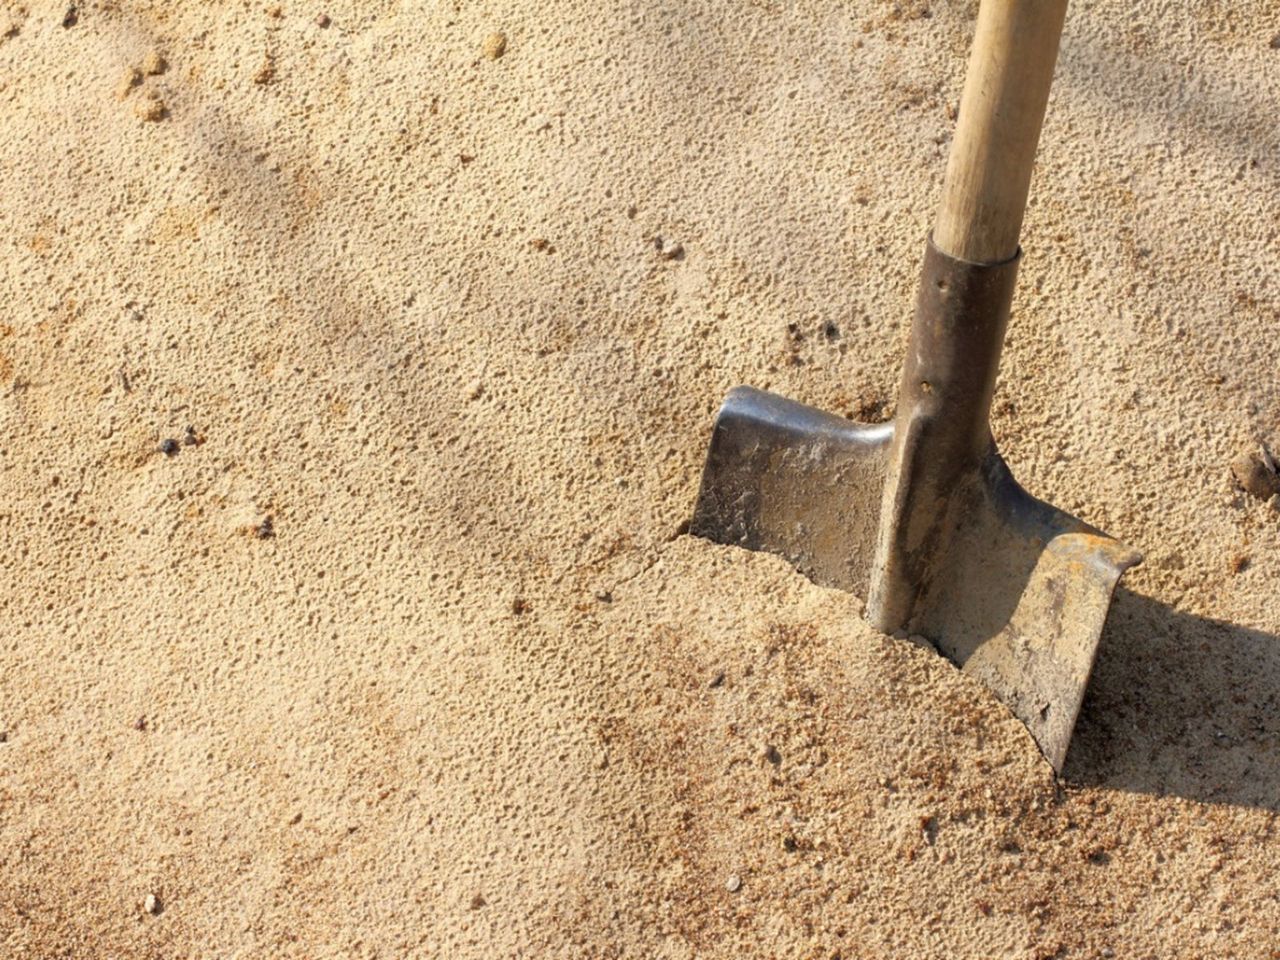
922	516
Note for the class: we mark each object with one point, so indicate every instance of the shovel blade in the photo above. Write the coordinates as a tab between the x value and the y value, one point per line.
1021	600
1020	591
788	479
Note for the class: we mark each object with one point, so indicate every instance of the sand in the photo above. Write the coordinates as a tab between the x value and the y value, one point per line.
400	649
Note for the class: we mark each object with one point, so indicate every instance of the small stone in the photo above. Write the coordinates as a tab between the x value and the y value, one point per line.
717	680
1275	42
604	596
169	446
70	17
519	606
265	530
476	390
150	109
275	11
151	904
772	755
191	438
131	78
495	45
323	21
140	723
478	901
669	249
734	883
4	736
1255	471
929	830
153	64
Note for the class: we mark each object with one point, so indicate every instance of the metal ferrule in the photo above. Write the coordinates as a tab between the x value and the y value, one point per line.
942	429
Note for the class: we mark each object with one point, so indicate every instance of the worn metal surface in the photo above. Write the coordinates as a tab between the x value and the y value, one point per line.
795	481
923	516
941	431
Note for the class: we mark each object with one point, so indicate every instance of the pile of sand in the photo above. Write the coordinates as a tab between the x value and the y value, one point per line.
356	366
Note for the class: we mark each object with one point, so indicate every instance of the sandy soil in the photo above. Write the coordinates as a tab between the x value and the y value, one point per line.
400	650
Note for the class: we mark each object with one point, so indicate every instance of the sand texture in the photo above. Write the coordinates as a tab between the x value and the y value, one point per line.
357	364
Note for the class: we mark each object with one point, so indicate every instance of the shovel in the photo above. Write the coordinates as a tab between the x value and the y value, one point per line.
922	516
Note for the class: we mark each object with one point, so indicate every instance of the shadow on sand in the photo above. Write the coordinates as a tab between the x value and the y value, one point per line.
1180	705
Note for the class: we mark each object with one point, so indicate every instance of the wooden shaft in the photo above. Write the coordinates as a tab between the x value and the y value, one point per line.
984	195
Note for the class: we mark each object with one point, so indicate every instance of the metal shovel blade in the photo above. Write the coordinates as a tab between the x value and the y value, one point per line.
1017	597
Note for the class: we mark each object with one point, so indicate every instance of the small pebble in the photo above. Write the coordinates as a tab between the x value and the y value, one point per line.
4	736
169	446
669	249
191	438
323	21
150	109
929	830
1255	471
140	723
772	755
604	596
1275	42
717	680
265	530
151	904
478	901
495	45
71	17
153	64
734	883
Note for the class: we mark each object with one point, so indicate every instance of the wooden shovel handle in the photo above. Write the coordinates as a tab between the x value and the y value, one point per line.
984	195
